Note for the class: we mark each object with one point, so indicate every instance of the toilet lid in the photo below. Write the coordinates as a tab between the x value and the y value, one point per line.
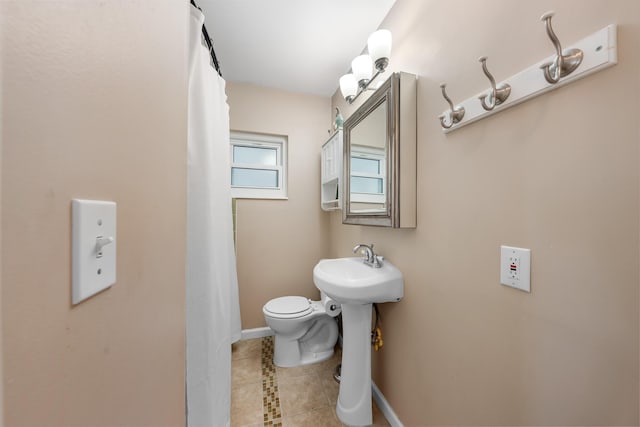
288	306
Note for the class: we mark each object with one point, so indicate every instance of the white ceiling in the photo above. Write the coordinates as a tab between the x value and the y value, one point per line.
295	45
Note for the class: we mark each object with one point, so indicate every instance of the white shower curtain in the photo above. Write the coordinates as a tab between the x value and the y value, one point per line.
213	311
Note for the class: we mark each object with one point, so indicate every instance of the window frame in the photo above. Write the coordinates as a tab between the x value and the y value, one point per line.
369	153
256	140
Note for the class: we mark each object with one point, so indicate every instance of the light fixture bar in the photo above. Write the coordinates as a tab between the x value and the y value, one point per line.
364	88
379	46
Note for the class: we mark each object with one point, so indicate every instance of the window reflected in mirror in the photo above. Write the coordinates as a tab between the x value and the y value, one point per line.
368	171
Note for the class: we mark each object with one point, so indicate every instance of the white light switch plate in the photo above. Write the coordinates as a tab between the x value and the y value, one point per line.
93	265
515	267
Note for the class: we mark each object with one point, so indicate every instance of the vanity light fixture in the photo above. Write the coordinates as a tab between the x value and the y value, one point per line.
361	76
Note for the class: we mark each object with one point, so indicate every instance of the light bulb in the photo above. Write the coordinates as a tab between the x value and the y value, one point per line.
348	86
379	45
362	69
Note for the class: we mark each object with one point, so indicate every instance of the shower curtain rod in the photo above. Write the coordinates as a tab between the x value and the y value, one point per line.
207	40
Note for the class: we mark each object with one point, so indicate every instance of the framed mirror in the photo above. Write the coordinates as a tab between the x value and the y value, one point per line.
380	157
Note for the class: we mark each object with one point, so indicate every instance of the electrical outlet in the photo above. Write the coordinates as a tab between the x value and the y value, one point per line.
515	267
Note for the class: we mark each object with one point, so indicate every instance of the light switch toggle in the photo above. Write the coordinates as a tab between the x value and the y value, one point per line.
101	242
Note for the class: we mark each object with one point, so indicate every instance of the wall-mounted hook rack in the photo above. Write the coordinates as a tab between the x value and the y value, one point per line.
599	52
497	94
455	114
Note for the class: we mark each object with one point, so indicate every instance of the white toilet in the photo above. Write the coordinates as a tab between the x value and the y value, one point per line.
305	330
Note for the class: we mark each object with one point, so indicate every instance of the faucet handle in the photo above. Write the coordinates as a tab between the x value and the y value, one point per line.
374	258
377	261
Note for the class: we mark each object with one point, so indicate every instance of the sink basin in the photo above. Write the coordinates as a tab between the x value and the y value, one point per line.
351	281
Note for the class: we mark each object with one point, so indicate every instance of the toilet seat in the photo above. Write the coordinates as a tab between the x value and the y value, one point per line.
288	307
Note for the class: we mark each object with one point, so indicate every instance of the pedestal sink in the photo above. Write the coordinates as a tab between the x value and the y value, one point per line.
357	285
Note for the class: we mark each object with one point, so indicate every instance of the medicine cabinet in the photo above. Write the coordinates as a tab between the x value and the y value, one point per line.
379	157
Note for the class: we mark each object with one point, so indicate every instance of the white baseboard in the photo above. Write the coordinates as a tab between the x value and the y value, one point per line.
248	334
384	406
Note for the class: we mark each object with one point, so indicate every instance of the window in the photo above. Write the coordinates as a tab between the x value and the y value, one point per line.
258	166
367	175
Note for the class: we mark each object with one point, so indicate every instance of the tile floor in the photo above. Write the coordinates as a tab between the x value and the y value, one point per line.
265	395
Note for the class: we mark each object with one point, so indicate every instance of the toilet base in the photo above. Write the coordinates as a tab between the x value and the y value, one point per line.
302	341
287	354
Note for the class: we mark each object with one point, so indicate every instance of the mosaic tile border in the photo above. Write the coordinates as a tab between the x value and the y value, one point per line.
270	395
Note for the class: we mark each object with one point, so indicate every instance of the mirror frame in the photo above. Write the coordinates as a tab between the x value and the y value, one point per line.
399	93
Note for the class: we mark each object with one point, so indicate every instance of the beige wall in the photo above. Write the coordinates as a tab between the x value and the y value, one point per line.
279	241
94	98
559	175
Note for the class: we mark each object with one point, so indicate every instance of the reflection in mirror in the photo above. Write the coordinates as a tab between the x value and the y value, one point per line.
380	157
368	162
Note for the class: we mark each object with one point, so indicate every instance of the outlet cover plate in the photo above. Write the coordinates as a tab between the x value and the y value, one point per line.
515	267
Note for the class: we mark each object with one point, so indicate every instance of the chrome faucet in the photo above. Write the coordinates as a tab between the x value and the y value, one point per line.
370	258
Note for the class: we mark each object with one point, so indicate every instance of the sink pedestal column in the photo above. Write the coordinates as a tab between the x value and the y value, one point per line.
354	399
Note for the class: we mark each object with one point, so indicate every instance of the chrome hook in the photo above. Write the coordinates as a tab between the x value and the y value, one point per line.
456	113
498	94
563	64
